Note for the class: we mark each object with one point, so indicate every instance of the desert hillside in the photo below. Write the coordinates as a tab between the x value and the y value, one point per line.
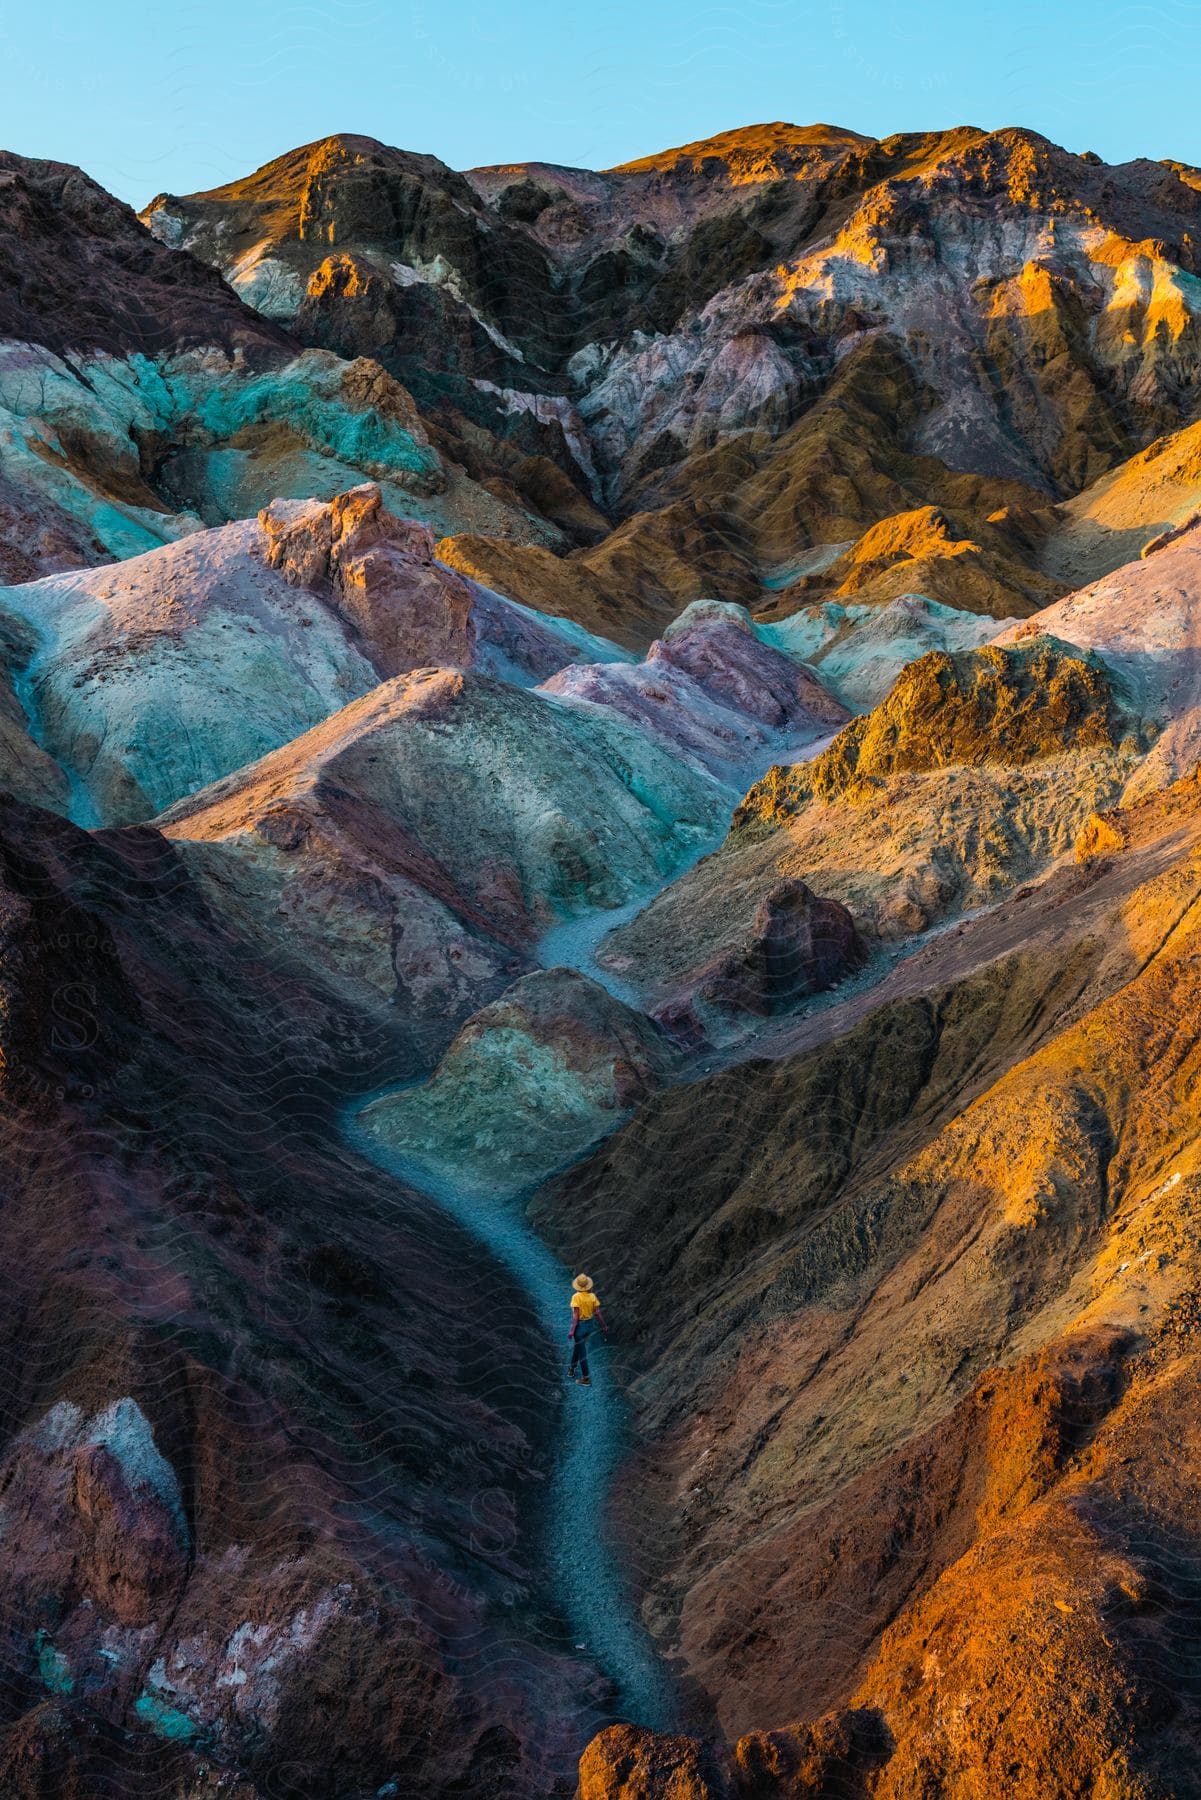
646	722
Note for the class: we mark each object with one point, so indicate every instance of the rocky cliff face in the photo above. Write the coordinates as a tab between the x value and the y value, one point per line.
139	395
1015	706
367	250
81	273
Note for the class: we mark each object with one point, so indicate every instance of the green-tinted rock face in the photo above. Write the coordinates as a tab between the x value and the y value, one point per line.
529	1083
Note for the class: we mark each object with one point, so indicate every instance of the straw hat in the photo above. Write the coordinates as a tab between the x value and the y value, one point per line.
583	1283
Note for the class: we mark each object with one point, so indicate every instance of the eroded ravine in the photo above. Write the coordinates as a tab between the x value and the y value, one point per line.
26	685
580	1562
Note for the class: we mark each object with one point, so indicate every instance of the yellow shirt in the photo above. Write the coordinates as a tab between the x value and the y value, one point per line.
585	1303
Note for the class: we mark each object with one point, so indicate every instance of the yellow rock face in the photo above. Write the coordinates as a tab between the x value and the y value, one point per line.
1102	836
983	706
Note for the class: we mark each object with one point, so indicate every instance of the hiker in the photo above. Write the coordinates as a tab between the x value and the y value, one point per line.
585	1316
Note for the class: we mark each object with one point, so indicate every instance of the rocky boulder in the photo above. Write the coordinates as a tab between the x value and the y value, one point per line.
627	1763
93	1512
715	643
834	1758
798	944
406	608
1103	835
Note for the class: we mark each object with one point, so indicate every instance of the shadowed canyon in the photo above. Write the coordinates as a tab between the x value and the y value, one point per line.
648	722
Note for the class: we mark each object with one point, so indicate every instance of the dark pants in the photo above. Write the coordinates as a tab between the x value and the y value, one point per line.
579	1347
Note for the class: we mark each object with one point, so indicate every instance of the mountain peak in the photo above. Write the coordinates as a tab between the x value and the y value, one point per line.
339	151
748	143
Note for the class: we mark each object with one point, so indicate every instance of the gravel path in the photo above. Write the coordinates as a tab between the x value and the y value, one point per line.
580	1558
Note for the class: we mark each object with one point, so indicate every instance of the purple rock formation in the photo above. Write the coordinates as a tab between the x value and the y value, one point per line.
798	944
714	642
714	691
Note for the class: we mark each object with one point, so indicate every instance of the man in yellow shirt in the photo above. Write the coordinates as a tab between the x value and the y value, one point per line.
586	1315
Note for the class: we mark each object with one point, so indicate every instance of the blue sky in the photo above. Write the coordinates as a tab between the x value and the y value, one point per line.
190	94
